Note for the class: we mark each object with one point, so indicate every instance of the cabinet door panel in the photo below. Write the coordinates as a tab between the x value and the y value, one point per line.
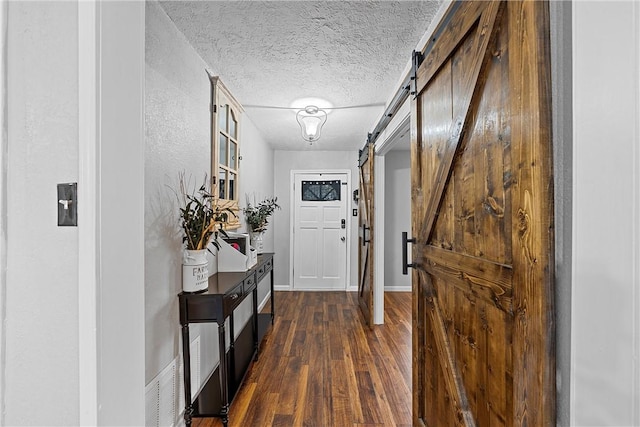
225	148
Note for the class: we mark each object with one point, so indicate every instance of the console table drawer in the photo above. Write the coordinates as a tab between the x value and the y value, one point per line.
233	298
249	284
202	309
264	269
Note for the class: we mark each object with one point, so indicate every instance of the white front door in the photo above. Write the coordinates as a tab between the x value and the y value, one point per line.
320	231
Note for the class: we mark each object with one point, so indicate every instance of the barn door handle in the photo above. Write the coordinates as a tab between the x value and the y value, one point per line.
405	264
364	234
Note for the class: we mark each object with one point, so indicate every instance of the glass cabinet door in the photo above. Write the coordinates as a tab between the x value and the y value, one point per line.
225	147
223	144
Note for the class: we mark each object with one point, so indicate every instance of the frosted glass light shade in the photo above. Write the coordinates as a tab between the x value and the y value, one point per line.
311	120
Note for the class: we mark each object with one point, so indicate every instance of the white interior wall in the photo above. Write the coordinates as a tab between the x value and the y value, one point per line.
397	217
42	299
256	177
256	180
284	163
606	214
178	95
41	281
177	122
3	200
88	192
120	311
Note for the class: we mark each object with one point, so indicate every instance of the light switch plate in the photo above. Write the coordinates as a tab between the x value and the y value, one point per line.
68	204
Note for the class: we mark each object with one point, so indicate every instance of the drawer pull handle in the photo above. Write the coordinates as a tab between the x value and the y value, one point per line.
235	296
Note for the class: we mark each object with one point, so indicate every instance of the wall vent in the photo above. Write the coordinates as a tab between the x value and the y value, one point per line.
167	398
152	403
164	397
160	398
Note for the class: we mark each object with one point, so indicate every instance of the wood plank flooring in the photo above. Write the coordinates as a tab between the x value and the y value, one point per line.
321	366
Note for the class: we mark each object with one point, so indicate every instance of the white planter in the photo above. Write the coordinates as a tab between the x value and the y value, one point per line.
195	271
257	242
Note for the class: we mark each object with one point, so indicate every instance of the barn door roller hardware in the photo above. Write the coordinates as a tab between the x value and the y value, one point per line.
408	86
405	243
363	155
416	60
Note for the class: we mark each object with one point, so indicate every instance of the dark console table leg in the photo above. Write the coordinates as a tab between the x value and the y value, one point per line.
273	297
255	322
224	390
188	409
231	366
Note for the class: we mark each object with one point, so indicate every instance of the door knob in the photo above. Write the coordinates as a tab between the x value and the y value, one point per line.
343	238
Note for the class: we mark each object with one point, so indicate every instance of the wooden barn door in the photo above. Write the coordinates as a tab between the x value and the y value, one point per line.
365	239
482	204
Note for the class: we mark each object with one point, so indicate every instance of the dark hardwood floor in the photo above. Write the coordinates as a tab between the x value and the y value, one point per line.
321	366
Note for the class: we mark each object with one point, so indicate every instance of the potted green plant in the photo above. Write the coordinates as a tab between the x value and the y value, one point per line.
201	219
257	217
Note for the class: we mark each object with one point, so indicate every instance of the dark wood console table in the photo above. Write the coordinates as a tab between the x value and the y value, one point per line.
225	292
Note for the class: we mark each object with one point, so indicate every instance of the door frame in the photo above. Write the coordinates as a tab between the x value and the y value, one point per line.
619	246
106	270
89	297
399	123
292	209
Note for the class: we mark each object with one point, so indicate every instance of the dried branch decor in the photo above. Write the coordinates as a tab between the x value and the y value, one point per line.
201	217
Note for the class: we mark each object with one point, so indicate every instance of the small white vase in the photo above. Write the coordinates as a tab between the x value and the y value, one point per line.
257	241
195	271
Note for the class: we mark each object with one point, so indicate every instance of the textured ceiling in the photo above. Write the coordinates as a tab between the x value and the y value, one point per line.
271	53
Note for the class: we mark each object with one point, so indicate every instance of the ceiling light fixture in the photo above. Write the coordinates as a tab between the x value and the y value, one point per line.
311	119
